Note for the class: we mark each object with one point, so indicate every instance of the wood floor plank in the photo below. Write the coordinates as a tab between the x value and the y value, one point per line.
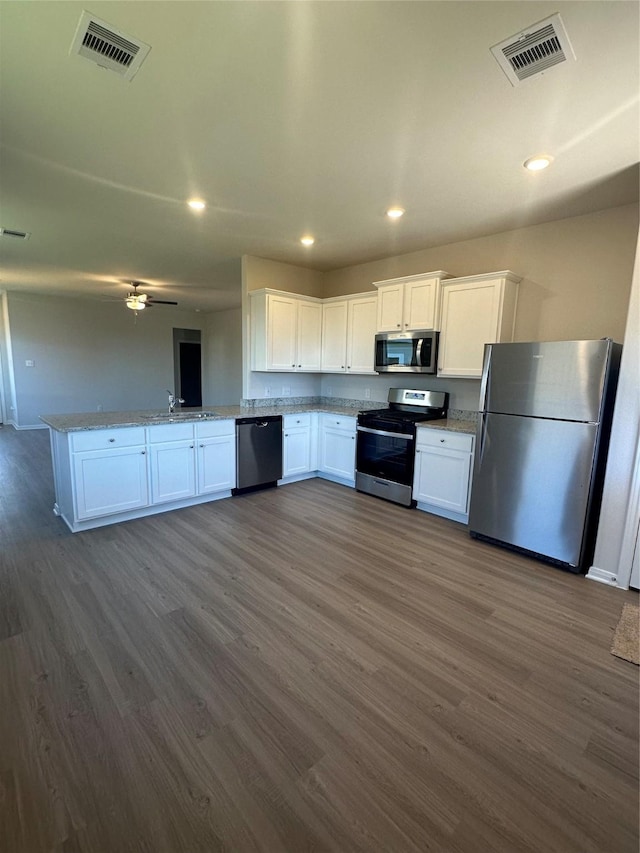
301	669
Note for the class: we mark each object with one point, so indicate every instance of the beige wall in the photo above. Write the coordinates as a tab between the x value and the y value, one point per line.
260	272
222	358
576	272
89	354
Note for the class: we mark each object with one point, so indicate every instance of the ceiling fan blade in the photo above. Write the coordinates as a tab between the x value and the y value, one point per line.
153	301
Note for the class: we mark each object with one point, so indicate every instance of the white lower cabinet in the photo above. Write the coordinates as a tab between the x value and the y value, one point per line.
337	448
109	475
299	446
110	481
172	462
109	472
216	456
442	476
200	461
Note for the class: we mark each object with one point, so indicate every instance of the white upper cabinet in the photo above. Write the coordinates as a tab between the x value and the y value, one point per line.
410	303
334	336
348	333
286	331
476	310
361	332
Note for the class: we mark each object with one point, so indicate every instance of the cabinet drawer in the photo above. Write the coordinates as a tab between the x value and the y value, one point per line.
170	432
100	439
299	420
338	422
212	429
444	438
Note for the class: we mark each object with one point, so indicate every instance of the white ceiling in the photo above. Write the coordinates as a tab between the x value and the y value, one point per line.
294	117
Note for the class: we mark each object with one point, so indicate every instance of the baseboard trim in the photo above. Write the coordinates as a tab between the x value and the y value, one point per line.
602	576
28	426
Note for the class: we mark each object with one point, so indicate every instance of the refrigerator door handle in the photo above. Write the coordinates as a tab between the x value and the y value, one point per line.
482	434
486	377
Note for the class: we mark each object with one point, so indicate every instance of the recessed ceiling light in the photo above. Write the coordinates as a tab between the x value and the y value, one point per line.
540	161
308	240
395	212
196	204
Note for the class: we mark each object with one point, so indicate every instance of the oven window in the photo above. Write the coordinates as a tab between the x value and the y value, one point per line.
385	456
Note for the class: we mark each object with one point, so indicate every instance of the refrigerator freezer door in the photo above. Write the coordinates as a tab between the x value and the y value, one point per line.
531	484
556	379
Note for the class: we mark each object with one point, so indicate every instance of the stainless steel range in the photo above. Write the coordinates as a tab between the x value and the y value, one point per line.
386	442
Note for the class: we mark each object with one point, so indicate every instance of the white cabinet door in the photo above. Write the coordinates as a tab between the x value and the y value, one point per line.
334	336
476	311
216	464
337	447
410	303
299	441
389	314
281	333
421	300
361	335
110	481
442	478
173	471
309	335
296	451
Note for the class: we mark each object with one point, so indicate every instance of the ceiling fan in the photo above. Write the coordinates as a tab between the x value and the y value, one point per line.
137	301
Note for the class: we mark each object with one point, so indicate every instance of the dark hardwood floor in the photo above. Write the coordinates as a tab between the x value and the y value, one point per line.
302	669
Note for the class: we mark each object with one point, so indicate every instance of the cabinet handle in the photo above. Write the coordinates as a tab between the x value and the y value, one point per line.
202	445
418	451
191	447
111	440
398	325
299	365
442	441
144	452
342	367
293	365
348	367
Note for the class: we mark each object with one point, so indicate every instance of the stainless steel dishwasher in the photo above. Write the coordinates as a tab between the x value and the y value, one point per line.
259	452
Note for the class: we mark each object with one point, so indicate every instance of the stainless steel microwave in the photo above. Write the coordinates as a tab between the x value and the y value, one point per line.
406	352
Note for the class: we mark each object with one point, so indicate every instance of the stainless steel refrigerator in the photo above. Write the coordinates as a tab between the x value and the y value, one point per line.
543	433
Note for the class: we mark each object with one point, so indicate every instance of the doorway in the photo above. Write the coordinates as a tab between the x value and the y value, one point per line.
188	366
190	374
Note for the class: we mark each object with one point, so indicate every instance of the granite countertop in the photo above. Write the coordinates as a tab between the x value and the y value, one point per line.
109	420
451	424
459	420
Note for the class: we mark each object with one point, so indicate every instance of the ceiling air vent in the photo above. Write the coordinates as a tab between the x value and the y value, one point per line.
534	50
11	232
108	47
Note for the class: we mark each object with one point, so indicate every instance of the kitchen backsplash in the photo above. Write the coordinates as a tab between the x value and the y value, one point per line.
356	405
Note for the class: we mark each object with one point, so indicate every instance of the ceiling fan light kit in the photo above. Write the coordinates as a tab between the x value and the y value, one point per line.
138	301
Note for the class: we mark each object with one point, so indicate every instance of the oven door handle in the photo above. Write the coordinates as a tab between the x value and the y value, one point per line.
401	435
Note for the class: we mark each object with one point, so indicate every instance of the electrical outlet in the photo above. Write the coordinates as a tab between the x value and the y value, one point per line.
99	407
367	393
29	363
286	390
267	390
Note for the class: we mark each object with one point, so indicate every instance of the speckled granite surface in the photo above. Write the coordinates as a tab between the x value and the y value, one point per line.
453	425
108	420
459	420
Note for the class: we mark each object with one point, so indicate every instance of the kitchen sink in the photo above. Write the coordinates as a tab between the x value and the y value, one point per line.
178	416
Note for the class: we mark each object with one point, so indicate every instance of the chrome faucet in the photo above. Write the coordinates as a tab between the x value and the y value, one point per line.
173	401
